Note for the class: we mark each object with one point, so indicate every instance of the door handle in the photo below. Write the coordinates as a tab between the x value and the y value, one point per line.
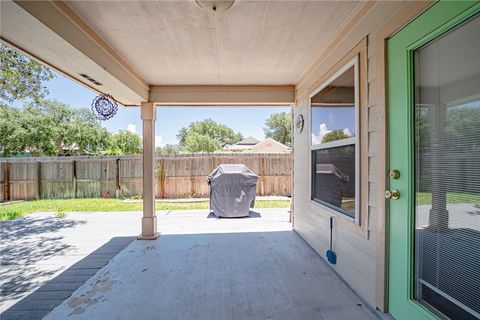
392	194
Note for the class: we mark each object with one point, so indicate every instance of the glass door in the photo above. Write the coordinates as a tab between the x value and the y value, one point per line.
434	146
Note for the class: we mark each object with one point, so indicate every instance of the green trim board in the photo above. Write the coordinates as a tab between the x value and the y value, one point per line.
438	19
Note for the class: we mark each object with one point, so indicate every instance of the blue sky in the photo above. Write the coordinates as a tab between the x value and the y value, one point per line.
248	121
327	119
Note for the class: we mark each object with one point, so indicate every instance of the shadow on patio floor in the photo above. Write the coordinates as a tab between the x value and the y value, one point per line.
49	295
18	258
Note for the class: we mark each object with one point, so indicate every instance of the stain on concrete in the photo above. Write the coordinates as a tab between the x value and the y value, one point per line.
85	300
78	310
148	248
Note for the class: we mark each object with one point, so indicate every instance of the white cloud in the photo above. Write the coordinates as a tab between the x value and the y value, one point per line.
158	142
323	130
132	128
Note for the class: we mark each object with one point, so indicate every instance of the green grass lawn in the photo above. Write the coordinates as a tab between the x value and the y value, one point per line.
452	198
15	210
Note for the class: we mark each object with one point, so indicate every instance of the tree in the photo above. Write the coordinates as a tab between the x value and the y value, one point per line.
85	133
168	149
58	129
334	136
21	77
49	128
460	126
196	142
206	136
12	134
125	142
279	127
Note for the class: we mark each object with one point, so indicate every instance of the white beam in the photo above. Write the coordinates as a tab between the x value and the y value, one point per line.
230	95
149	219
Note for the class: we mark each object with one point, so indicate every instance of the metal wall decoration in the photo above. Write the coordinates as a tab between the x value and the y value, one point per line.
104	107
299	123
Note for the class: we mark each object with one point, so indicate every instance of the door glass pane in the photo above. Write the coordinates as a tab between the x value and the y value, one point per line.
447	173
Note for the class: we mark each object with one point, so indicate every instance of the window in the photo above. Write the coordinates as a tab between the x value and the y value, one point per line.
334	142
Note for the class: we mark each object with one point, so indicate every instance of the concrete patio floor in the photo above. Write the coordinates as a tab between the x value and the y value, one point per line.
207	268
44	258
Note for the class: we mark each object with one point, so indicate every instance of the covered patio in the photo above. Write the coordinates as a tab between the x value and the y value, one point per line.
200	268
267	272
243	53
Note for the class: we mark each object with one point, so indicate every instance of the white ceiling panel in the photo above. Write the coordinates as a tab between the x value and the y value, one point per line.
254	42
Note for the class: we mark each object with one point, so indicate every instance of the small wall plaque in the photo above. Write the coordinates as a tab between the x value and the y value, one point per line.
299	123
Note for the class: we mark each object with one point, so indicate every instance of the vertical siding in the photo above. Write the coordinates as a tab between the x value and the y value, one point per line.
56	180
179	176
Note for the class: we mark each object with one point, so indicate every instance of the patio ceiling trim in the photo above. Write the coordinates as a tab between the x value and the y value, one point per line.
63	21
223	95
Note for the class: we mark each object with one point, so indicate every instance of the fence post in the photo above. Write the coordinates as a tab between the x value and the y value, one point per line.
262	175
6	181
192	177
39	180
74	178
161	177
117	178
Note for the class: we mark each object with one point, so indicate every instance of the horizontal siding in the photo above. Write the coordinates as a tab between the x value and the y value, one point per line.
356	253
373	118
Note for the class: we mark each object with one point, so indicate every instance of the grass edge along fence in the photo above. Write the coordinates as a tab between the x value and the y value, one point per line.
177	176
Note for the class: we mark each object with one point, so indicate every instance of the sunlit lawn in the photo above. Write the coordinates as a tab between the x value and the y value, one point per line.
15	210
424	198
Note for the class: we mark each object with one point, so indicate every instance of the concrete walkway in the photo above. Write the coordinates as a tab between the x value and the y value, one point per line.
207	268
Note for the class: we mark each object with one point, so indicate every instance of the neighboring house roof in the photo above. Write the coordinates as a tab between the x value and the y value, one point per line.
270	145
237	147
266	146
248	141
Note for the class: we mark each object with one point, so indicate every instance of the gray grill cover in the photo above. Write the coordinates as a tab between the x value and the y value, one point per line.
232	190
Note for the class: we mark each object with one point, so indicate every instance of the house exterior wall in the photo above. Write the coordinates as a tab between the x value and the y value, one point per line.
360	248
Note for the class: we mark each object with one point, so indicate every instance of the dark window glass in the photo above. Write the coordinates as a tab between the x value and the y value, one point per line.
334	178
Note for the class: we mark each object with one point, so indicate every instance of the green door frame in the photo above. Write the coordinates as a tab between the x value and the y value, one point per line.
439	18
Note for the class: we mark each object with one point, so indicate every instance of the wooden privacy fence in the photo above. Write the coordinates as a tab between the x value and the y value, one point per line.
177	176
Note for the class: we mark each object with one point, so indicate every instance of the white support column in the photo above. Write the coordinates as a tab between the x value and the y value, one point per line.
149	220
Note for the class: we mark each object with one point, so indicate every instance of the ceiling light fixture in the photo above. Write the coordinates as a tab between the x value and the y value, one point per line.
213	5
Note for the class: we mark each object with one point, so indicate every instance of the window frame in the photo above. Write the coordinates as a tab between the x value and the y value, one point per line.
339	143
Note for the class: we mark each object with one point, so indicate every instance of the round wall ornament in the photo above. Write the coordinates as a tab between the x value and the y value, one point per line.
104	107
299	123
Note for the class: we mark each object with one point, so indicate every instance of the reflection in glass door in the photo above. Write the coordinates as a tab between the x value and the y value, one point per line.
447	173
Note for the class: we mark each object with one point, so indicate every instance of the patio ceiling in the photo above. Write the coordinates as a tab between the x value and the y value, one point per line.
254	42
130	45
